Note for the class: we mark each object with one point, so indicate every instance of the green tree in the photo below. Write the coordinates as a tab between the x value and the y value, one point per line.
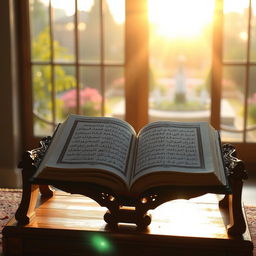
38	16
44	75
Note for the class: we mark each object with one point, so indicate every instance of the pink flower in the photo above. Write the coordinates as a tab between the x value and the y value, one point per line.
90	94
69	98
86	95
252	100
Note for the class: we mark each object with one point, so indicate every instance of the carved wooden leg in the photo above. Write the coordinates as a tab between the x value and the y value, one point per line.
30	162
29	194
27	205
237	224
236	174
233	202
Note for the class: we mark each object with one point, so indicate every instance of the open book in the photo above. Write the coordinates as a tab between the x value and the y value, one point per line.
108	152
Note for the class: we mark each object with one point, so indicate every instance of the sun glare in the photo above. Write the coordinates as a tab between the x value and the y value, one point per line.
169	18
116	7
237	6
181	18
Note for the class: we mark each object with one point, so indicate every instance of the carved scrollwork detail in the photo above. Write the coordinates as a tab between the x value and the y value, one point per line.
31	159
151	198
38	153
107	197
234	166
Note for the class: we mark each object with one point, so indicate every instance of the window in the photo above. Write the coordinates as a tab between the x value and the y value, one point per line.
141	61
76	59
180	59
238	75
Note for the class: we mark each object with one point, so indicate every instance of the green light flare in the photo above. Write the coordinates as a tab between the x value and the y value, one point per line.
101	244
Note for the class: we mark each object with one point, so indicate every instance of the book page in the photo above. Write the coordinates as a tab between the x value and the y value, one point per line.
102	143
97	142
166	145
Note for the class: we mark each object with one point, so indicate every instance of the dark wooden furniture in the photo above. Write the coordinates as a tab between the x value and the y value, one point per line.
134	210
72	225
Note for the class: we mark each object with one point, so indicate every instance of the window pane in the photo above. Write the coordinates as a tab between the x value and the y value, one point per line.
39	30
235	29
180	59
63	29
114	13
114	92
42	99
232	103
251	115
90	91
89	31
66	94
252	31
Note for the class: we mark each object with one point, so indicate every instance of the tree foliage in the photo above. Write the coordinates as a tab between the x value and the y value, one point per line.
48	80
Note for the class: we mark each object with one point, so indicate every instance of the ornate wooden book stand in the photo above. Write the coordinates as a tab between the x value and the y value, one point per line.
133	210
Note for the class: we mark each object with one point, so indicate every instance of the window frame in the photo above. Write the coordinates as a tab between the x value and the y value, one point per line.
136	83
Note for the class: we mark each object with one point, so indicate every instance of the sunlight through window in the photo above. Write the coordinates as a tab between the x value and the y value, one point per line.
180	18
180	59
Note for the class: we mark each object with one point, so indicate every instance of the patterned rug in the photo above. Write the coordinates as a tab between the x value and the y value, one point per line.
9	202
250	212
10	199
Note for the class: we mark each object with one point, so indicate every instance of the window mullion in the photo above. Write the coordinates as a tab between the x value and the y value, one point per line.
217	65
26	64
77	67
136	63
102	59
53	93
247	71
